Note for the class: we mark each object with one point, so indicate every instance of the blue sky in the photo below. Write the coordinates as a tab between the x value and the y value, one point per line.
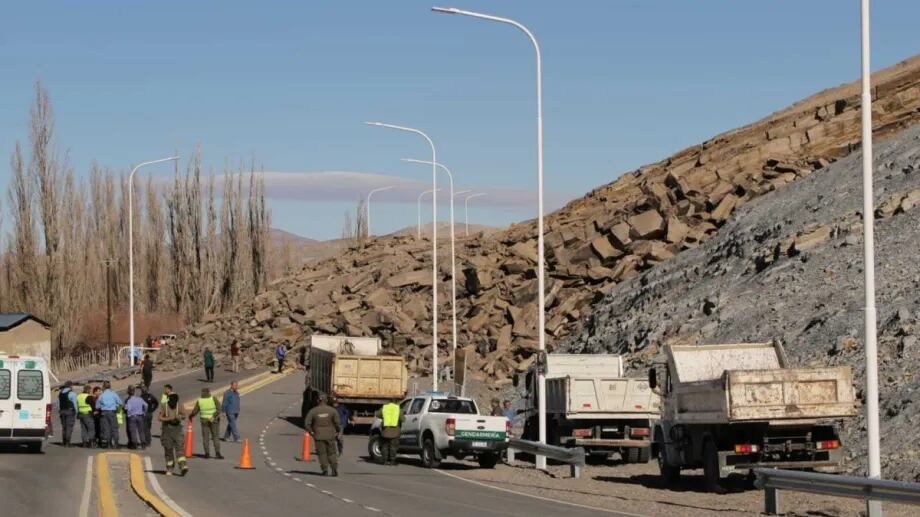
625	83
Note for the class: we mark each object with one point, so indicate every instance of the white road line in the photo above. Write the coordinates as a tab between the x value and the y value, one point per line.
311	485
297	480
326	492
371	508
566	503
87	488
347	500
159	490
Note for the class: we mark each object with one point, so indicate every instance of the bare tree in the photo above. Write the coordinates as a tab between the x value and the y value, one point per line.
361	229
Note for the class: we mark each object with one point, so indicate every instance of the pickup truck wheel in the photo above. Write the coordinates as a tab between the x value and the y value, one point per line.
373	448
670	474
711	467
430	457
488	460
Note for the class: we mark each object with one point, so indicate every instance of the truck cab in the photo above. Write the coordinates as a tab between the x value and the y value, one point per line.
25	401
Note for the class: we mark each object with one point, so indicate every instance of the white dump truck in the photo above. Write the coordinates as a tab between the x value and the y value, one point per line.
731	408
591	404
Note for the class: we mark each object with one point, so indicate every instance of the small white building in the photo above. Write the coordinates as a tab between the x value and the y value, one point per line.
24	334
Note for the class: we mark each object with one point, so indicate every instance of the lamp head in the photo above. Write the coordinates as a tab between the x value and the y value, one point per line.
446	10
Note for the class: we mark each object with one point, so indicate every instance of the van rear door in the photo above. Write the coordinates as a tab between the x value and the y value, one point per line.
32	396
6	399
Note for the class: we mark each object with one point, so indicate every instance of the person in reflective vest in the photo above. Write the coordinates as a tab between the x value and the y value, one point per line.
171	416
85	416
167	391
207	409
389	433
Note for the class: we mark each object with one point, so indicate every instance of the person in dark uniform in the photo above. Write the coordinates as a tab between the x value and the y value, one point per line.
171	416
392	420
322	423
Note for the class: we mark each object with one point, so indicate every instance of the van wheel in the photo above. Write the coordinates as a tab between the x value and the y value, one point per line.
488	460
430	457
670	474
711	467
34	447
374	448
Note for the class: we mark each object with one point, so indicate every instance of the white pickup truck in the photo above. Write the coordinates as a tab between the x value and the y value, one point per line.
438	425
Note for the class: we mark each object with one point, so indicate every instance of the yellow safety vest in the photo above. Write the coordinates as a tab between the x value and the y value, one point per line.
207	408
390	415
164	399
83	407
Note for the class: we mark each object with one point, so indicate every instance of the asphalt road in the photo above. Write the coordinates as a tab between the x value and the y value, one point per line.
52	483
281	485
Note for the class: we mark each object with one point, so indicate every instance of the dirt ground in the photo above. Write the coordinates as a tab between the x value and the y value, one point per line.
637	489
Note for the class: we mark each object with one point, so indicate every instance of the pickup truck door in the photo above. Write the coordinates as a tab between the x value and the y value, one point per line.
412	421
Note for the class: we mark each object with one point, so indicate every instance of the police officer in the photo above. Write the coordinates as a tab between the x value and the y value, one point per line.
85	415
322	423
389	433
207	408
171	416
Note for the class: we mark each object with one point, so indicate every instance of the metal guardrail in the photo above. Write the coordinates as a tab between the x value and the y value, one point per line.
105	375
773	480
574	456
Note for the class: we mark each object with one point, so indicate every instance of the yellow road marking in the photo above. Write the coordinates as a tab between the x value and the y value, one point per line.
247	385
106	498
140	488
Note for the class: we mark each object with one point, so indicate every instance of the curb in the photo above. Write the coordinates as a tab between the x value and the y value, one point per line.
140	488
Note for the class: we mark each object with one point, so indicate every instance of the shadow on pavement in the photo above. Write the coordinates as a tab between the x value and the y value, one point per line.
732	484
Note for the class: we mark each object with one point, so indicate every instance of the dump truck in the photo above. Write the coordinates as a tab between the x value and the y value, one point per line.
603	414
346	345
363	383
731	408
591	404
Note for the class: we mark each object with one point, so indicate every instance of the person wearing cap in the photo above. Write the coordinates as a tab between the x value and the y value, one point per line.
171	416
322	423
208	409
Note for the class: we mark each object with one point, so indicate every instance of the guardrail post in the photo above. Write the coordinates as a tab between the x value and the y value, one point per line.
576	471
510	456
770	501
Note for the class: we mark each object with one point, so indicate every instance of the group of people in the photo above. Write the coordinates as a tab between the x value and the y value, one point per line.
101	412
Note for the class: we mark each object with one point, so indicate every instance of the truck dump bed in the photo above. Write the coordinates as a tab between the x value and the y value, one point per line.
380	377
601	398
750	382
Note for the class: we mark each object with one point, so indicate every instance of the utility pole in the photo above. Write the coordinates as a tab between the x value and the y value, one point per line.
108	306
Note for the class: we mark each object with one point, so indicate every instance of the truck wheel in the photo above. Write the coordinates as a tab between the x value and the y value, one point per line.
631	455
670	474
430	457
488	460
373	448
644	454
711	467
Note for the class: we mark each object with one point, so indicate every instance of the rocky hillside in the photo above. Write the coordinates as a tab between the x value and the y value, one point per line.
612	235
789	267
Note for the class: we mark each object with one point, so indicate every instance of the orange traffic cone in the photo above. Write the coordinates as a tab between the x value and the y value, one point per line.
245	459
305	451
188	440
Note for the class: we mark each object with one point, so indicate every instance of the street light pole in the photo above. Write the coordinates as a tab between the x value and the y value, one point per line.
131	248
541	301
434	245
466	210
368	207
872	419
418	227
453	254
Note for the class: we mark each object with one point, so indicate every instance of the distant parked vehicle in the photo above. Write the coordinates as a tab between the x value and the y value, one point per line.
731	408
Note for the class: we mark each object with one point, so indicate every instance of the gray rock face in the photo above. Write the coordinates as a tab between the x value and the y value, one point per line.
789	266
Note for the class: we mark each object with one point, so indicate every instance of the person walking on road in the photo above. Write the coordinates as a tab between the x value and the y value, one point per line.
230	406
235	355
152	406
389	434
280	355
344	419
136	409
208	365
147	371
207	408
67	409
109	402
85	416
171	416
323	425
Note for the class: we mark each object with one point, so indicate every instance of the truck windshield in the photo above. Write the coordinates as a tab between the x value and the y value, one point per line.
463	407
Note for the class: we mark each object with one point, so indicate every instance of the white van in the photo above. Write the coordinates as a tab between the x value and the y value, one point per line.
25	401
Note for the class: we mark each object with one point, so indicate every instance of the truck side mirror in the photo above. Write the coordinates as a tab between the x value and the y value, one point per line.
652	378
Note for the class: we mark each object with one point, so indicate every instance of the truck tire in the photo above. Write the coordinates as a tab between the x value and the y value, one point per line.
711	467
431	458
373	449
645	453
670	474
488	460
631	455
